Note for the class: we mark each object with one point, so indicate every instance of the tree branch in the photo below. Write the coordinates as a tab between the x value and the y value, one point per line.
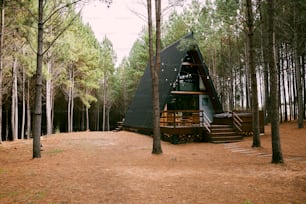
60	8
62	31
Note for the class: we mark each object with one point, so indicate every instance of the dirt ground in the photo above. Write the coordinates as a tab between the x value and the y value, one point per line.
118	167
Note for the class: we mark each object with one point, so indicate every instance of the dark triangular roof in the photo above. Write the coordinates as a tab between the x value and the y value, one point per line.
140	113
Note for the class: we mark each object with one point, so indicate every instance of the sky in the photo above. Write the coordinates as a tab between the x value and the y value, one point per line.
121	23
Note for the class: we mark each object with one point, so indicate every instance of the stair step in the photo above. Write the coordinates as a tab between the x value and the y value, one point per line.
223	133
226	137
220	126
224	141
222	130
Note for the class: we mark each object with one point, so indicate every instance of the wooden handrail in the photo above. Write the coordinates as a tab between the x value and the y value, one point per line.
206	122
237	121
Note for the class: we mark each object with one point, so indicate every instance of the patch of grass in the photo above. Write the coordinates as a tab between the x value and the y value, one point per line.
8	194
247	202
40	194
57	130
2	171
35	195
55	151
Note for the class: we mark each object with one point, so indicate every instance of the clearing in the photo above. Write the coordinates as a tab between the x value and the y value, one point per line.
118	167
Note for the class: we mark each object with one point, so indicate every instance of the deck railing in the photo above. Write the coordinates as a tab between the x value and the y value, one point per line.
206	122
237	121
184	118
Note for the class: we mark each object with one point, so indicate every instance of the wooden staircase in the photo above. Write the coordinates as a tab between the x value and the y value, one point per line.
223	134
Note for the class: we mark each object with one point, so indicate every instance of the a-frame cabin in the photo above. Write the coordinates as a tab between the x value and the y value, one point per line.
188	98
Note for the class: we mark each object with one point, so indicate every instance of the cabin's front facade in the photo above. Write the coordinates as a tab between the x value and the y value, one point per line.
188	99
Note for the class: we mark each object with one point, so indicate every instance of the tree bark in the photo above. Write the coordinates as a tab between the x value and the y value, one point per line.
70	99
155	83
23	103
87	119
104	101
155	66
251	65
298	78
38	92
247	79
2	4
304	84
267	90
277	156
28	131
14	105
49	97
69	110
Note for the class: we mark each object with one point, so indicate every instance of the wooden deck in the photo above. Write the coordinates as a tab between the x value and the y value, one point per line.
185	126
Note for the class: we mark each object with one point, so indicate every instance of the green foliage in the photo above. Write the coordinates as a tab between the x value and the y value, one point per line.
8	194
247	202
187	44
55	151
2	171
174	29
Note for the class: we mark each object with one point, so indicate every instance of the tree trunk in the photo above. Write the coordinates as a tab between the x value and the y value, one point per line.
28	132
284	88
87	119
251	65
289	83
294	90
155	84
70	99
125	93
107	118
72	105
277	156
7	123
1	61
247	94
49	97
104	101
23	103
38	92
298	81
241	85
14	116
304	82
267	90
69	106
98	116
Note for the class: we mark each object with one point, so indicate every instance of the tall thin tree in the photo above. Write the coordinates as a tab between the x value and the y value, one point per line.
2	3
154	65
298	66
277	156
251	65
38	92
156	137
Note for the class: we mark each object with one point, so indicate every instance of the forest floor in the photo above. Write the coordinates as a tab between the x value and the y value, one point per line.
118	167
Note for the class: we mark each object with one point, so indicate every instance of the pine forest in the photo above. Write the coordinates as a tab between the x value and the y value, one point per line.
82	88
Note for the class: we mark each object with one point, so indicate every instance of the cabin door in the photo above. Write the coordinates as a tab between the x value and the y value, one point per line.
206	106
